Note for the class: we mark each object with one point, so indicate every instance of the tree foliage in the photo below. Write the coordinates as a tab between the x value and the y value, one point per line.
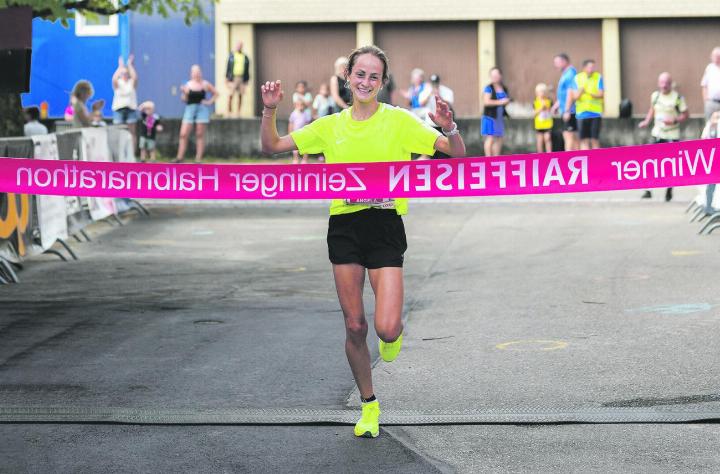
64	10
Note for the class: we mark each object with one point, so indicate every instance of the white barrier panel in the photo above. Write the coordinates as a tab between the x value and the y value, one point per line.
51	209
121	145
121	149
95	148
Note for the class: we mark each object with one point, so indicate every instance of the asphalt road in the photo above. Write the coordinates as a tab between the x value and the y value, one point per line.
559	302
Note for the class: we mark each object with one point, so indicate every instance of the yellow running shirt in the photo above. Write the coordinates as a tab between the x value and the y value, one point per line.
238	64
543	120
390	134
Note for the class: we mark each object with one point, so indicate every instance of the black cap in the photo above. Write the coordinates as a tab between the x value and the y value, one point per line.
434	78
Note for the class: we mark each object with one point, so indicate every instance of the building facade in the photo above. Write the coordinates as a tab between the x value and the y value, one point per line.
632	42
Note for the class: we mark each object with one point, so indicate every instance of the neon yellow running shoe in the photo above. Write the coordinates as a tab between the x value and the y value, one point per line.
368	426
390	350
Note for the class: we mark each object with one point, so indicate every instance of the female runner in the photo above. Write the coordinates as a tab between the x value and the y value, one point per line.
365	235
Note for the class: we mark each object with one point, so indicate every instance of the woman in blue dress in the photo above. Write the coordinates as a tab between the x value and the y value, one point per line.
495	98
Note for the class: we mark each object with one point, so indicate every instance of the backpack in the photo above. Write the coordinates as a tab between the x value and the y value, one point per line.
625	108
678	100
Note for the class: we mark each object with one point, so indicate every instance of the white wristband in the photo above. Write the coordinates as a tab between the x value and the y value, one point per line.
452	132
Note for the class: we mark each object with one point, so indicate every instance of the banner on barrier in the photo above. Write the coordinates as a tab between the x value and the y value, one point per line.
632	167
52	219
16	209
95	149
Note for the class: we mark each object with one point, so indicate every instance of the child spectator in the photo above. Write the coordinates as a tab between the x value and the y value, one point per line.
543	119
299	117
323	103
149	126
96	115
81	93
301	93
68	114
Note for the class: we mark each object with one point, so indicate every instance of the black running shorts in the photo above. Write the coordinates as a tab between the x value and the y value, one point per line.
589	128
373	238
570	125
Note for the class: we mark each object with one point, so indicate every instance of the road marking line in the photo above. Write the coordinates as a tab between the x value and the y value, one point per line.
551	345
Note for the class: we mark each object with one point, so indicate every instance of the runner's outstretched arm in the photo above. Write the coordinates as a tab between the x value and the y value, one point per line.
271	141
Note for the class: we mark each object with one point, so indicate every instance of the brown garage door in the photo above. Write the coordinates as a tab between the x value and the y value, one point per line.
299	52
525	50
679	46
445	48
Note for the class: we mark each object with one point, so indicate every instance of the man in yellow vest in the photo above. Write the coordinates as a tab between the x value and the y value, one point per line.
587	94
237	75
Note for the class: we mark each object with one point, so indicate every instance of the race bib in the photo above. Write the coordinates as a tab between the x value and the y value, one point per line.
384	203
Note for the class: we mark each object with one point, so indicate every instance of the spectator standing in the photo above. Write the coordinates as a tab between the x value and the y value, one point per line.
33	126
302	93
197	112
339	88
322	104
82	92
542	106
149	126
124	103
569	122
495	98
237	75
669	109
418	94
446	95
588	91
299	117
710	84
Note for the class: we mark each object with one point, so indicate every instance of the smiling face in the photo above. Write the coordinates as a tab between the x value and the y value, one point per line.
366	78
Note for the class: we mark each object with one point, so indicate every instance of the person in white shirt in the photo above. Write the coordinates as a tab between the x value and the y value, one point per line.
446	95
124	103
418	93
322	104
33	126
710	84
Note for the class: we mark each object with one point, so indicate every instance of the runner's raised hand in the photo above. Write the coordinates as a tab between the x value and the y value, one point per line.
443	116
272	93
